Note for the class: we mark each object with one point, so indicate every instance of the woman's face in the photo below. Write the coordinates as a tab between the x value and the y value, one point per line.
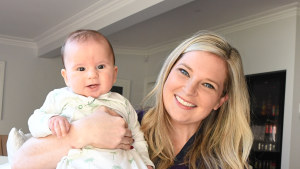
194	88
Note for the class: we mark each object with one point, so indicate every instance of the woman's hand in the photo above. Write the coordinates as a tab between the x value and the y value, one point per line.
103	129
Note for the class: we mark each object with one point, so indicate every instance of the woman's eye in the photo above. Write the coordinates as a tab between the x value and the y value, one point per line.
184	72
81	69
208	85
100	66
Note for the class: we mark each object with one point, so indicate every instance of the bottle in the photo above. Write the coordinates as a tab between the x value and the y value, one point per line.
274	130
259	146
273	165
276	113
268	164
259	164
263	109
269	106
267	135
273	114
270	133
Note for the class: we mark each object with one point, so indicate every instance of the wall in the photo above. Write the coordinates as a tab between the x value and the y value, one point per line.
295	137
27	82
131	67
271	47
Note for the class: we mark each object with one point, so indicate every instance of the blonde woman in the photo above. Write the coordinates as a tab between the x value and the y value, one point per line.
201	114
200	118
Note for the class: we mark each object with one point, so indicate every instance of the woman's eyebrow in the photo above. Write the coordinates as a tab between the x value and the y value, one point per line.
208	79
185	65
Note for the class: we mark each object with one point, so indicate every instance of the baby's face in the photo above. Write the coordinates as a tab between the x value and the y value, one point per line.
89	68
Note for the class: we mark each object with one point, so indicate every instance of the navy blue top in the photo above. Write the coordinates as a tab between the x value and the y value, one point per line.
179	159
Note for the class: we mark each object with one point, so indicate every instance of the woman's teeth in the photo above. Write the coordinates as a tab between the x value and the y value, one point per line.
184	102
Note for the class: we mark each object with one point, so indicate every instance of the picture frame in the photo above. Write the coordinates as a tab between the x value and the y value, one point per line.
2	73
122	87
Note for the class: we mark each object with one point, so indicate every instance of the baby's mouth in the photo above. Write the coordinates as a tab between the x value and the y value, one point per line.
183	102
92	86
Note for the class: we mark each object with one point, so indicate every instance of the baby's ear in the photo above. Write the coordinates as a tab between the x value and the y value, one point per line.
115	73
64	75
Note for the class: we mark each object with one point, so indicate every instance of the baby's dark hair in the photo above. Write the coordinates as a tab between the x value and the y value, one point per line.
83	35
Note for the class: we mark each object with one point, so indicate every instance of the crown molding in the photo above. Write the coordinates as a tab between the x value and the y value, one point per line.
272	15
15	41
85	17
97	17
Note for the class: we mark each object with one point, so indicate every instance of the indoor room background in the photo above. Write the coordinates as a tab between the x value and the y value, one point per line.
268	41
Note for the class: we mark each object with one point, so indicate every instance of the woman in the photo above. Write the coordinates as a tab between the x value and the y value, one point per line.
200	118
201	115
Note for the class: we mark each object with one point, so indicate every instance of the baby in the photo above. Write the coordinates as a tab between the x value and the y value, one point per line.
89	74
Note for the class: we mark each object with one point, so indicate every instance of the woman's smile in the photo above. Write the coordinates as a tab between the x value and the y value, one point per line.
187	104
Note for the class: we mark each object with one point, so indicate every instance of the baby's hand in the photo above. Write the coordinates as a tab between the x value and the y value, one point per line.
59	126
149	167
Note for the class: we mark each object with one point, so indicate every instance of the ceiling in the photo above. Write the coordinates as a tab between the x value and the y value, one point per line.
192	17
43	24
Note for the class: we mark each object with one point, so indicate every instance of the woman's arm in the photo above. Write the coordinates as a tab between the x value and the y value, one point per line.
100	129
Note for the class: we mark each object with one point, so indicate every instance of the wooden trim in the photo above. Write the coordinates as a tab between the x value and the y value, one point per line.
3	140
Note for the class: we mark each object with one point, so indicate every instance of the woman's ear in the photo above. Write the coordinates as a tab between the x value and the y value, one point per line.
64	75
221	101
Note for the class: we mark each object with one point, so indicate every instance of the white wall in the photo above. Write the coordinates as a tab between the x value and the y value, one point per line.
27	81
295	137
131	67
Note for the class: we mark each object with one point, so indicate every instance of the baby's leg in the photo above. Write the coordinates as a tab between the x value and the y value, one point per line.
15	140
101	159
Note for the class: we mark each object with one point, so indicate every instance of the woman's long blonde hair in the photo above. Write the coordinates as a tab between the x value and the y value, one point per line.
225	139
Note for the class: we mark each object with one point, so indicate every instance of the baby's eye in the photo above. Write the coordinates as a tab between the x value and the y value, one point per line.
208	85
100	66
81	69
184	72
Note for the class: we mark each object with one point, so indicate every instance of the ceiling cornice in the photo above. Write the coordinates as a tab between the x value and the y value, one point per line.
276	14
14	41
269	16
95	17
98	16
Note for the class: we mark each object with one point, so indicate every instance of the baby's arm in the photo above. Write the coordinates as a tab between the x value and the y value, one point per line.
38	121
139	143
59	126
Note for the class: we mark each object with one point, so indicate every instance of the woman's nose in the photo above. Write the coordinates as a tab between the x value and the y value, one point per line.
190	87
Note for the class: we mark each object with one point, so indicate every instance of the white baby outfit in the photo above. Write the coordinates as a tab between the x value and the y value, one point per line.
64	102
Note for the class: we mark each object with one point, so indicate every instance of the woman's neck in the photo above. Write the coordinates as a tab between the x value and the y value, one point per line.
180	135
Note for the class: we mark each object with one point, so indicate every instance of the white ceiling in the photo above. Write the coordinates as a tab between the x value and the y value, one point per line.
43	24
192	17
